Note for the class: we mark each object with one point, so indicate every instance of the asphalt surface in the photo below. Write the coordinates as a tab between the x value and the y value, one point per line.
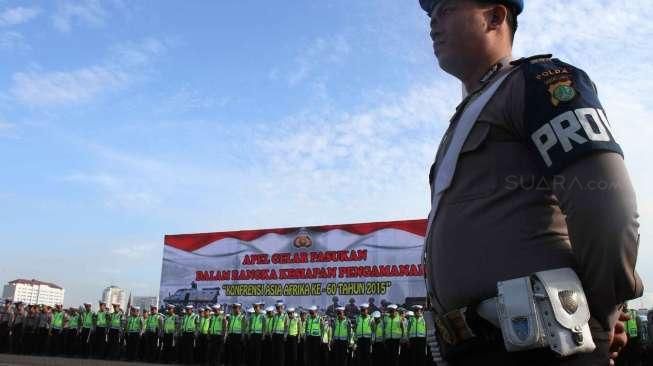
12	360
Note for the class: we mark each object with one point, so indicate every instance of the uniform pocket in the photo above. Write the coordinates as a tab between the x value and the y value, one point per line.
475	175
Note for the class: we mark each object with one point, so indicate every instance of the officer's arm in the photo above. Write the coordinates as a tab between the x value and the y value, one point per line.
603	230
557	110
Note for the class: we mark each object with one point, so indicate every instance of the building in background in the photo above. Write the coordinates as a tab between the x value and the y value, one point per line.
33	292
145	301
114	295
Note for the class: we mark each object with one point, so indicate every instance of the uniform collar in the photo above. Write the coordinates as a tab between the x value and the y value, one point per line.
489	75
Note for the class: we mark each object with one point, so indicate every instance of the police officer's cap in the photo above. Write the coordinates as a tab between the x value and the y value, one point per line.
365	306
279	304
250	310
137	308
313	308
291	310
410	313
235	305
153	307
376	314
170	306
340	308
418	307
392	306
518	5
190	307
269	309
216	306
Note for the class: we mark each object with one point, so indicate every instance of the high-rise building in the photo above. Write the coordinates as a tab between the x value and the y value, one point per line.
33	292
114	295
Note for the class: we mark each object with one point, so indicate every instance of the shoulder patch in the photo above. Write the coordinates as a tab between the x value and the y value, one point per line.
563	115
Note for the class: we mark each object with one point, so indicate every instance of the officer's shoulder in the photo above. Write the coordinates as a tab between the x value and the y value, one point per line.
544	70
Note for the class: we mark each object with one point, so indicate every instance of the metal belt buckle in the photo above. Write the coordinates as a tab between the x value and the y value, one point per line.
453	326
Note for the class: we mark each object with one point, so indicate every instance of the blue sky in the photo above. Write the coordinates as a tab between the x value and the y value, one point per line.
123	121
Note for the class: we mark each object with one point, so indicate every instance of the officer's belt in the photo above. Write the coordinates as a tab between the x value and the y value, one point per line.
454	327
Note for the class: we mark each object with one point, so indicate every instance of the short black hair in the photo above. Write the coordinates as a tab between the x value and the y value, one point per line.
511	19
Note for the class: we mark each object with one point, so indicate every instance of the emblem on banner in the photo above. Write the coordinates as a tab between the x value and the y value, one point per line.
303	239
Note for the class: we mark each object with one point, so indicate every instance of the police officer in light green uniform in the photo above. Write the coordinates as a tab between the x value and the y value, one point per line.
237	328
71	332
135	325
313	328
202	340
378	345
217	332
189	327
279	334
170	330
393	335
417	336
363	335
101	320
266	353
292	339
341	336
87	323
153	334
257	324
326	339
116	325
56	330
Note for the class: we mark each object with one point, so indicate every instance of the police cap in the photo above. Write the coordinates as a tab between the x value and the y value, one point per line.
517	5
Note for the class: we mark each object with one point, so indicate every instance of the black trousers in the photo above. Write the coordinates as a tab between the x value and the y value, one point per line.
99	342
113	344
418	351
29	341
392	352
340	352
266	352
187	348
291	350
378	354
214	352
151	340
42	338
235	349
71	342
254	349
18	333
313	351
56	342
168	355
133	344
278	350
5	340
301	352
201	348
363	351
85	342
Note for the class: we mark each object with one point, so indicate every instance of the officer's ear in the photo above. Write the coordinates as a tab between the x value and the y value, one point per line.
495	16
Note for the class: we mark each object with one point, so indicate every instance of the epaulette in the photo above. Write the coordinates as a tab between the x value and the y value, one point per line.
532	59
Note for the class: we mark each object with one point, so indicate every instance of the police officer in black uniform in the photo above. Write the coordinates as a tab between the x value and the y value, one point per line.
531	170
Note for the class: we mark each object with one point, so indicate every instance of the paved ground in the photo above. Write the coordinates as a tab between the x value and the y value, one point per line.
12	360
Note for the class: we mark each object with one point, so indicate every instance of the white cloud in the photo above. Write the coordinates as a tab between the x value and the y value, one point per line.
136	251
321	51
52	88
12	41
86	12
17	15
56	88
